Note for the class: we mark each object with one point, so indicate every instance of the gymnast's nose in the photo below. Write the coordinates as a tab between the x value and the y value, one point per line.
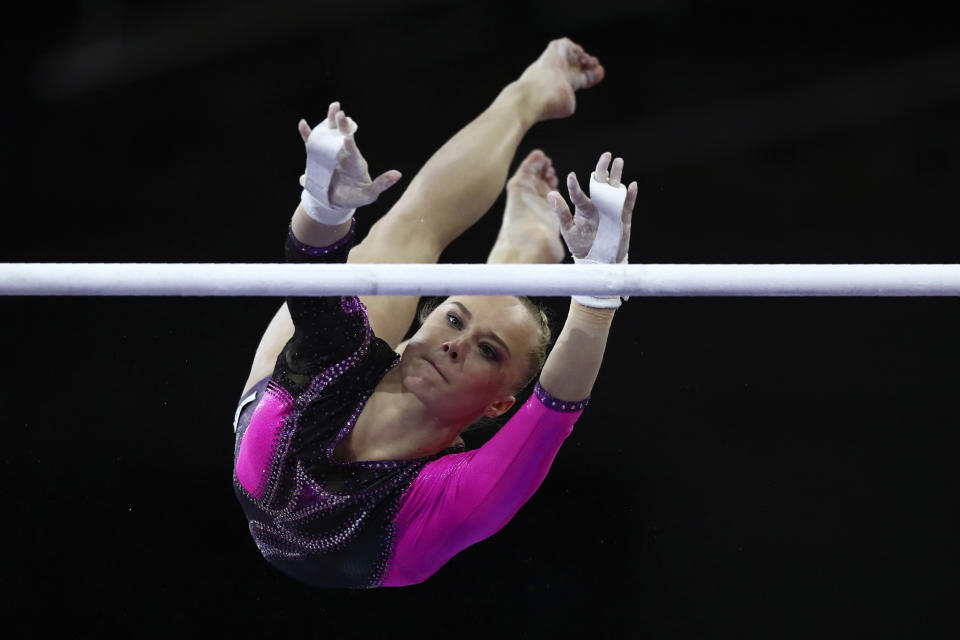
452	348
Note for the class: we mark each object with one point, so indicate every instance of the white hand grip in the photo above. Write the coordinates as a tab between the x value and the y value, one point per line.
323	147
609	202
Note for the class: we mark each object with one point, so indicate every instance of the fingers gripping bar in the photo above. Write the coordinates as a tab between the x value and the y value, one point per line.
323	147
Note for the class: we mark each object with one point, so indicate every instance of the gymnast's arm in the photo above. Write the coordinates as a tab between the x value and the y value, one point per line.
598	233
316	234
573	364
336	181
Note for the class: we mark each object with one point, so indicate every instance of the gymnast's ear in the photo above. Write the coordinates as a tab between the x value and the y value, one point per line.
499	407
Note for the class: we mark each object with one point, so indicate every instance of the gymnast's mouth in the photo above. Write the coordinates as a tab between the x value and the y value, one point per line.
437	368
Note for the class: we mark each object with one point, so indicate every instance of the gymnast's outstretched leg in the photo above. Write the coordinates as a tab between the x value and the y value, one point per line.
464	177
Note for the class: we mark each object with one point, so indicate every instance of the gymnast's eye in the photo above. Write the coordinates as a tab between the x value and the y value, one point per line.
489	352
454	321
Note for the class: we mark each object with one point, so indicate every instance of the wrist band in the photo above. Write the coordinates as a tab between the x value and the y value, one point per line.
325	215
601	302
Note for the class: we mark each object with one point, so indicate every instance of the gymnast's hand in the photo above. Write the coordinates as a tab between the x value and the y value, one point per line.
342	181
580	231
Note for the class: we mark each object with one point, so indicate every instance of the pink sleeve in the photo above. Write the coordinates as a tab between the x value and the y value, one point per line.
463	498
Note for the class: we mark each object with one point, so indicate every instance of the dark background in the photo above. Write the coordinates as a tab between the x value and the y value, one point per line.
772	465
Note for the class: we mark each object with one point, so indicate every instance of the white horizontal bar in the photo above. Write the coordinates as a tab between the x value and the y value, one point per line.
180	279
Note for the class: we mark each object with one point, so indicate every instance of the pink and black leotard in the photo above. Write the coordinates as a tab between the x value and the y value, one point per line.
371	523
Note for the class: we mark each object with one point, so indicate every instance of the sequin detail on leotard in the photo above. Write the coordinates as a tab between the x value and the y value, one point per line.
298	545
265	440
557	404
322	251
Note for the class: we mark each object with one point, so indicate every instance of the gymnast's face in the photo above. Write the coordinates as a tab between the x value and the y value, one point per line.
469	355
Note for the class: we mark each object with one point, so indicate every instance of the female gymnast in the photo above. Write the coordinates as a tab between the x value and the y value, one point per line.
348	460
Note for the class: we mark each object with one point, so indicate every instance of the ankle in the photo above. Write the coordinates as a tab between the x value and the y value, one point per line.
522	98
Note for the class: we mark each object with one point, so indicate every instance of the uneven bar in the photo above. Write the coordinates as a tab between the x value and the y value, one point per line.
234	279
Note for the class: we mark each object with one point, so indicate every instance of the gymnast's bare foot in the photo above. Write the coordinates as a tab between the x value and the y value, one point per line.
563	68
530	232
